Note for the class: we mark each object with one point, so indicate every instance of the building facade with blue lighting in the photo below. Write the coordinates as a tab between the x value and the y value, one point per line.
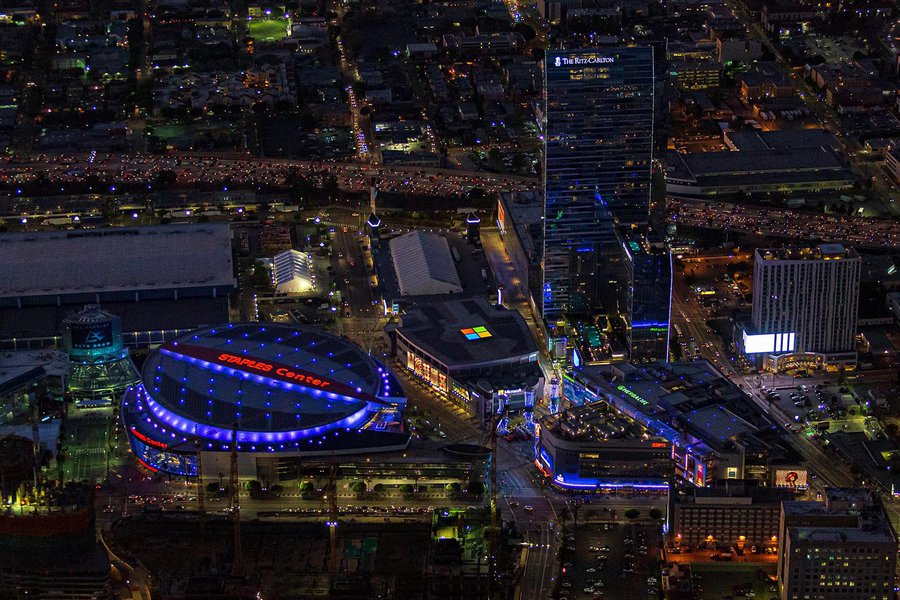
288	393
598	157
708	428
588	448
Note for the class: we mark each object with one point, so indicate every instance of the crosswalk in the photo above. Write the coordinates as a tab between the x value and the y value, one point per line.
87	451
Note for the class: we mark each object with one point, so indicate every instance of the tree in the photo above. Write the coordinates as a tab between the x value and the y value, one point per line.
307	486
407	490
212	488
254	487
378	487
632	514
656	514
276	489
359	488
475	488
453	488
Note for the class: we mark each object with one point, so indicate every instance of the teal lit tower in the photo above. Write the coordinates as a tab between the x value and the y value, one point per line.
101	366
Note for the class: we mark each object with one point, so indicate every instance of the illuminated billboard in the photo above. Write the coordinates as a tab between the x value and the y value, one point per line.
768	342
92	336
791	478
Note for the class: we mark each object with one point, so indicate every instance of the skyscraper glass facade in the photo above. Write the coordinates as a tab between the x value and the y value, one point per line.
649	297
599	146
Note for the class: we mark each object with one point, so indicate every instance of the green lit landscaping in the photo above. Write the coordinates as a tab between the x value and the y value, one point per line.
268	29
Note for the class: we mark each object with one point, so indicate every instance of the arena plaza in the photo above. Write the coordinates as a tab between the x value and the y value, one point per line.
288	392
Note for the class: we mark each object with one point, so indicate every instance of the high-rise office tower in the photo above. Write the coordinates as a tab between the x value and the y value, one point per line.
599	146
648	298
842	548
805	300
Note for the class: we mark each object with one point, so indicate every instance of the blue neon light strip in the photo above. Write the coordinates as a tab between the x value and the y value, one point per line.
580	483
211	432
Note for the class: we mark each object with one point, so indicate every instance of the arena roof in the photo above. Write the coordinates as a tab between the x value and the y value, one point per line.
115	259
423	265
235	374
469	332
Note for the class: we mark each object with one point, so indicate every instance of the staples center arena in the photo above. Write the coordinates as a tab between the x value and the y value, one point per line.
289	393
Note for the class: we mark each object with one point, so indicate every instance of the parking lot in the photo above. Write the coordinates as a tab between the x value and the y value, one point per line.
611	560
732	581
816	404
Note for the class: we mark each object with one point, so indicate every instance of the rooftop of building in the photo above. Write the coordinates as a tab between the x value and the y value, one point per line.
468	261
642	240
18	369
750	490
846	515
469	331
820	252
423	264
790	139
115	259
596	421
188	377
525	210
678	398
776	160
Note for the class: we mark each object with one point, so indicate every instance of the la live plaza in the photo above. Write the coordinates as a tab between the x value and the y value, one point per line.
449	300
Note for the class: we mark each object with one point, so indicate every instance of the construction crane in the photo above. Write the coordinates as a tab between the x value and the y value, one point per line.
36	449
201	505
332	519
494	535
235	501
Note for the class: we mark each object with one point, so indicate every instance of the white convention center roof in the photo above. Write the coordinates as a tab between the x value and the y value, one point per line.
424	265
115	259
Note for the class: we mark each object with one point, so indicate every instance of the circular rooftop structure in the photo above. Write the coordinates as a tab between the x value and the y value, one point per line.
280	388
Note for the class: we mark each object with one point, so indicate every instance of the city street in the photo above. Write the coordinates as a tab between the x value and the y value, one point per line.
353	275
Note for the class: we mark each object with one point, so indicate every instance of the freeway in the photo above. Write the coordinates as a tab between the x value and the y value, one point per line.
783	223
246	171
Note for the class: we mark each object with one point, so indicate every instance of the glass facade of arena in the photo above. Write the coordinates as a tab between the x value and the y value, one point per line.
599	147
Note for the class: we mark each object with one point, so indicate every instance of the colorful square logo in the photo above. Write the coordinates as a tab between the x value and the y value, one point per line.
476	333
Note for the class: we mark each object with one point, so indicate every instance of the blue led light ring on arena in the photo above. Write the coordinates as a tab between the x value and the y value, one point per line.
212	432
